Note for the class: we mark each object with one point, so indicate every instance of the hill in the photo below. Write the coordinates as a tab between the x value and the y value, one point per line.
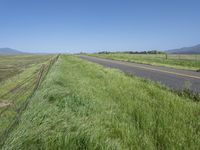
9	51
186	50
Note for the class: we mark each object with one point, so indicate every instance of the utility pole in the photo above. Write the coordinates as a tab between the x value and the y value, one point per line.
166	56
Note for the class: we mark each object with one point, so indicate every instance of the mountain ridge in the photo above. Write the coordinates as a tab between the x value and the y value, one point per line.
185	50
10	51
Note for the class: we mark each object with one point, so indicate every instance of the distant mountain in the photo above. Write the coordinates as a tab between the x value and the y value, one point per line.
186	50
9	51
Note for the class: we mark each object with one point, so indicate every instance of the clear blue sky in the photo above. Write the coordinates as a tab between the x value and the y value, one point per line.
94	25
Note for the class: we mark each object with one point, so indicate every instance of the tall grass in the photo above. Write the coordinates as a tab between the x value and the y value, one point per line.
16	90
82	105
190	62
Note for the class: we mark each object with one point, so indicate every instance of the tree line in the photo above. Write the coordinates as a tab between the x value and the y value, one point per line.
135	52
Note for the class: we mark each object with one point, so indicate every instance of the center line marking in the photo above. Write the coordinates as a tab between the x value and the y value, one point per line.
146	68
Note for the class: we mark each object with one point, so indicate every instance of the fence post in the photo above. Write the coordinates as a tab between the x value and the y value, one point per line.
166	56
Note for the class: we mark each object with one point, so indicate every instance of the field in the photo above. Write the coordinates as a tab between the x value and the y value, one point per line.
12	65
20	76
82	105
189	62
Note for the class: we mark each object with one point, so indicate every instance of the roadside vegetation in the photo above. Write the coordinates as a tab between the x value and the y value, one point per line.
82	105
189	62
16	91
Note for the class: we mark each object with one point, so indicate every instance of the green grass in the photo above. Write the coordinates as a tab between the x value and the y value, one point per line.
13	65
189	62
15	90
82	105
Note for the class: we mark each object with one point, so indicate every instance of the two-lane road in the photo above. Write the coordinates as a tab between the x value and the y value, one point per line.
173	78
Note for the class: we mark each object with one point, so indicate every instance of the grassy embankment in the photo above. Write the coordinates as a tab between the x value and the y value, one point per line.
19	78
189	62
82	105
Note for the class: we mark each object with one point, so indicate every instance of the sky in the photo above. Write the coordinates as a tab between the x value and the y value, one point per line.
95	25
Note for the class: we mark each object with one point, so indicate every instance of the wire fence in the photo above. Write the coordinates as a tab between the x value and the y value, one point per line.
40	76
171	56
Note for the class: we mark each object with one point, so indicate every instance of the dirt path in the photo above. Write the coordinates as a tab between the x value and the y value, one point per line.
4	103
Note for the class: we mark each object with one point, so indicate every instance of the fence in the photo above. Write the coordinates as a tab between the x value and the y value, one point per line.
172	56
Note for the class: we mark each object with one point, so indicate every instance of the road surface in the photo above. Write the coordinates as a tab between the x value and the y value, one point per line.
173	78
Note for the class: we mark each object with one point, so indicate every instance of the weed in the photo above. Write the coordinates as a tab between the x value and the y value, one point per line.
189	94
113	111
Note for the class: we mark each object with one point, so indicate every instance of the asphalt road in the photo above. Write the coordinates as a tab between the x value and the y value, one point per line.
173	78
